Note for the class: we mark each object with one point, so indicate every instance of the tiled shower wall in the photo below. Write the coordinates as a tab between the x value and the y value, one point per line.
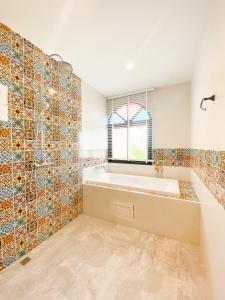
36	202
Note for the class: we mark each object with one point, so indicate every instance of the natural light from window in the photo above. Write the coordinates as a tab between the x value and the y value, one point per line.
129	135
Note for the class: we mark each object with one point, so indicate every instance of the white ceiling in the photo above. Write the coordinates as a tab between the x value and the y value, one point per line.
100	37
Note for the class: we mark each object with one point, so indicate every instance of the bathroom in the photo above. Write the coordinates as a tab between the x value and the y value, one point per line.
112	152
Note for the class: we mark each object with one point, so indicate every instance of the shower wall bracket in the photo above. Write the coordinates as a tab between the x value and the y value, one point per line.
43	164
212	98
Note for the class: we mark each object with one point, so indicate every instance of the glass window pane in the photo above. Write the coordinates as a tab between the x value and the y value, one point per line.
119	142
138	142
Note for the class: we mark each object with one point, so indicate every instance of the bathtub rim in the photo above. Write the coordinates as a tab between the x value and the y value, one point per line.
92	180
114	187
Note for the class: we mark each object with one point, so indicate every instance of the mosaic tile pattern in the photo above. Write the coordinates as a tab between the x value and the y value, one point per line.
210	167
208	164
187	192
35	203
180	157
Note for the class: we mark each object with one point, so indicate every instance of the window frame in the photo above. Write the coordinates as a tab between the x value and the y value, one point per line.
149	160
135	162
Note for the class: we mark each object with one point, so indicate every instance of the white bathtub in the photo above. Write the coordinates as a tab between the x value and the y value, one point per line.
147	203
162	186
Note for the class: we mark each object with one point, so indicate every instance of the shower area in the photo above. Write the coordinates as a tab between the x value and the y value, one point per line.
40	171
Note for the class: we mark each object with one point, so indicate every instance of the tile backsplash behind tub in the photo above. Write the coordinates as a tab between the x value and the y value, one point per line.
176	157
208	164
36	202
210	167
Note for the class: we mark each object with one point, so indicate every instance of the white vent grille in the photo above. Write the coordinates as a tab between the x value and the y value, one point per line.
124	211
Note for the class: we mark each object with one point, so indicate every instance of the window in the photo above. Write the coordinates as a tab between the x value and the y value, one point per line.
130	128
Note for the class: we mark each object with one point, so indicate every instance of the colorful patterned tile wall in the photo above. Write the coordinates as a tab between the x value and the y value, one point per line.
36	202
208	164
178	157
210	167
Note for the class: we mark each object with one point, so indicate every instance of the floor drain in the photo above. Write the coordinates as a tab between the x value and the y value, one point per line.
25	261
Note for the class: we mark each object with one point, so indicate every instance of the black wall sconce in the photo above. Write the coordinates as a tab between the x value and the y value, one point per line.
212	98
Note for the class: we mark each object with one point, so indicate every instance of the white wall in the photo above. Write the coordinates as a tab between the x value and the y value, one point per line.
212	231
209	78
93	137
171	116
208	133
180	173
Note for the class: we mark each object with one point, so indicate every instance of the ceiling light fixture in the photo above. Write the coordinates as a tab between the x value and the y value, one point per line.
129	66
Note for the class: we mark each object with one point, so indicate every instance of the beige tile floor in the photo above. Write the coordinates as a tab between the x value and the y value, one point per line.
91	259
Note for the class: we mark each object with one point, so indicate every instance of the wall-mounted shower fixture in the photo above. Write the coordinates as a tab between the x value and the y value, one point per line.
43	106
63	66
212	98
